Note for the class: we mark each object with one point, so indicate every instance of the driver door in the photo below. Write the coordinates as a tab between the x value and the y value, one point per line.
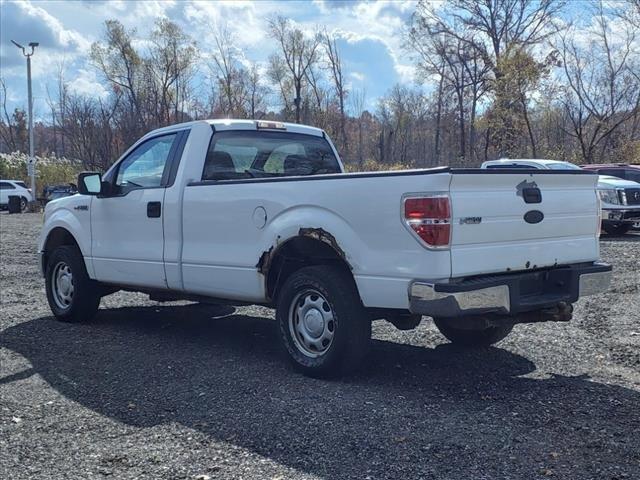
127	239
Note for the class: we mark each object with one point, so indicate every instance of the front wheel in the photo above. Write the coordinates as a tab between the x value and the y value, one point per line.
619	229
325	329
23	204
72	295
472	338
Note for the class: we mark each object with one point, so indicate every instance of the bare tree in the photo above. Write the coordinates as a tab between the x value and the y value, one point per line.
481	33
122	66
335	68
603	86
169	66
229	73
256	93
7	128
358	102
298	53
459	69
277	72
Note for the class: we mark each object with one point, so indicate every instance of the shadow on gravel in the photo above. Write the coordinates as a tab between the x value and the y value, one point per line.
414	413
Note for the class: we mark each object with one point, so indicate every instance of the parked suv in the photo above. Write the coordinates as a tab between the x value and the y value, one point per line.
620	170
14	187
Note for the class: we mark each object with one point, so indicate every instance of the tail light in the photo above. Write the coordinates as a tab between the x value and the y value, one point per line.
429	218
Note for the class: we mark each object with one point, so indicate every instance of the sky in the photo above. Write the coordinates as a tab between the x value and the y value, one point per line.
369	37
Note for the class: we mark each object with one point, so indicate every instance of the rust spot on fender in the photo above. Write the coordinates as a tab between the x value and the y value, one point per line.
326	237
265	260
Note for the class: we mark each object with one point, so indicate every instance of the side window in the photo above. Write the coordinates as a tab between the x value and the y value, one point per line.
144	166
6	186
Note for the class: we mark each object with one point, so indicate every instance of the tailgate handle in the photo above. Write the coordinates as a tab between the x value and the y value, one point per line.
532	195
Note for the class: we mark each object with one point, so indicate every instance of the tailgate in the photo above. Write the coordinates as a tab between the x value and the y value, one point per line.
495	230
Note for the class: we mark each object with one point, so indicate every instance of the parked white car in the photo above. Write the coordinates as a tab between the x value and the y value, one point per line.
17	188
620	199
261	212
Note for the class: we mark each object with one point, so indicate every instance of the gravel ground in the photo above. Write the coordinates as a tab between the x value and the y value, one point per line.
184	391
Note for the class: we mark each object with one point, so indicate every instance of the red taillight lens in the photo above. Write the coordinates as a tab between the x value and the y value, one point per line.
430	219
423	208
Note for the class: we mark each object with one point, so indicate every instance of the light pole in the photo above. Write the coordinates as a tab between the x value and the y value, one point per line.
32	158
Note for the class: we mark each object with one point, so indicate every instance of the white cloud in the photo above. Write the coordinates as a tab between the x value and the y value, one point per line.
66	30
26	22
87	83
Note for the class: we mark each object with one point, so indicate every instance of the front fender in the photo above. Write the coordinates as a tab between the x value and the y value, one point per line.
79	228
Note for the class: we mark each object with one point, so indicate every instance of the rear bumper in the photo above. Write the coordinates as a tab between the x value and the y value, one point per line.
509	294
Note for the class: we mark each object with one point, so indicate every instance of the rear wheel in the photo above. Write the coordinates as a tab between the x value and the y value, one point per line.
324	327
619	229
472	338
72	295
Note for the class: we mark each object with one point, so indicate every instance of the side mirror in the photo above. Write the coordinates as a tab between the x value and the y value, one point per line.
89	183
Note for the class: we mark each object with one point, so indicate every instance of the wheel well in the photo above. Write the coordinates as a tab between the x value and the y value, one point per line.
294	254
57	237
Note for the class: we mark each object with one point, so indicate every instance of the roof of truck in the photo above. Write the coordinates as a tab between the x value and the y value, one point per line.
222	124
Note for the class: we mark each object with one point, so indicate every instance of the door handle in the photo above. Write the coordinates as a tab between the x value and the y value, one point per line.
154	209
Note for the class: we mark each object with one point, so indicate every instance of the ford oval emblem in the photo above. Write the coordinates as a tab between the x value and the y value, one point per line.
533	216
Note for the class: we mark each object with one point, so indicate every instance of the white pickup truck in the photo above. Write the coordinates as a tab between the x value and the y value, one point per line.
253	212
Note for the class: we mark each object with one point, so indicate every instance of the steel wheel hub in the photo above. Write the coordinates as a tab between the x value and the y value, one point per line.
311	323
62	285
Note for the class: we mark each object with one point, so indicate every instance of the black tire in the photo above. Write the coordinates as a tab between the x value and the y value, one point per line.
81	304
619	229
24	204
346	322
472	338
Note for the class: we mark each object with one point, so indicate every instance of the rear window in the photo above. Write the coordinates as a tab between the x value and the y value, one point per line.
6	186
251	154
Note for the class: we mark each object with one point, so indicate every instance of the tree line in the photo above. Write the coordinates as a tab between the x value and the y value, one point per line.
494	78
